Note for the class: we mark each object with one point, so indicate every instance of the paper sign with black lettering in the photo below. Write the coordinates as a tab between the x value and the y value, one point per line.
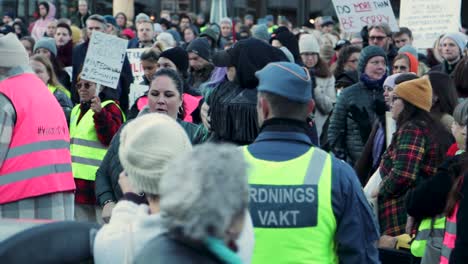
355	14
133	56
104	59
284	206
428	19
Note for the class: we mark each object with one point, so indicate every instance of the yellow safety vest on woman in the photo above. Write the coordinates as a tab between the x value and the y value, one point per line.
86	150
291	209
429	227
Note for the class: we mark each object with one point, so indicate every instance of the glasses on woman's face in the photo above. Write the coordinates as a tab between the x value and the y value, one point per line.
83	85
394	98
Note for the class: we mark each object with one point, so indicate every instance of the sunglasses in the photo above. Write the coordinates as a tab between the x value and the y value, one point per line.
83	85
378	38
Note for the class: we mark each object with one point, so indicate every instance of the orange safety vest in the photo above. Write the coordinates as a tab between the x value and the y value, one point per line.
38	160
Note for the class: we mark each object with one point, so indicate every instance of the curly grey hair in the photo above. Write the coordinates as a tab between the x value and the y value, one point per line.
205	191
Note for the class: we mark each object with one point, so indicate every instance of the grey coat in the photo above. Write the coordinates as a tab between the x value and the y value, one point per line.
341	123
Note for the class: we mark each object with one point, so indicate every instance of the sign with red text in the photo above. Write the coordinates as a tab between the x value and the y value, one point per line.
133	56
355	14
428	19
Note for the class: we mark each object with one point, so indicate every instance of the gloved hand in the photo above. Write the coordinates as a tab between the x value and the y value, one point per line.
380	107
361	117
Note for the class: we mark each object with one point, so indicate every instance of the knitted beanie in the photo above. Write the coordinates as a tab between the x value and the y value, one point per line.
410	49
201	47
367	53
46	43
459	38
390	81
413	61
12	52
308	43
147	145
178	56
261	32
417	92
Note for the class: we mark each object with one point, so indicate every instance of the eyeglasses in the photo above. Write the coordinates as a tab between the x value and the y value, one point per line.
403	68
83	85
394	98
378	38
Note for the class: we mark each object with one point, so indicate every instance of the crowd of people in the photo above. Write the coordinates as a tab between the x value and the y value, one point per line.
311	145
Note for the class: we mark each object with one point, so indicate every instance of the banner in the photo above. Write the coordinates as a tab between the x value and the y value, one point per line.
428	19
355	14
104	59
133	56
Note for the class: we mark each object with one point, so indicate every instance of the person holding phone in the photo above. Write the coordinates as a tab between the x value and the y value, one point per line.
93	124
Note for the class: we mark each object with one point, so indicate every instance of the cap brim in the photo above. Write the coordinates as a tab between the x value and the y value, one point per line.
222	59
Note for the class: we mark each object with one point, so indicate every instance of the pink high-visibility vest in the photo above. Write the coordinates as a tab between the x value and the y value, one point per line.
449	238
191	103
38	161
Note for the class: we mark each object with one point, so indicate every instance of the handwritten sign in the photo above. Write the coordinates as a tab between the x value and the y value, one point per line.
136	90
133	56
428	19
104	59
355	14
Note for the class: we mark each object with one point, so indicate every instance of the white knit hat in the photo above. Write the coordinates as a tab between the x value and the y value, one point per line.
308	43
12	52
147	145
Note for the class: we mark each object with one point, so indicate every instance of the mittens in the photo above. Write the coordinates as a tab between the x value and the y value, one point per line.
361	117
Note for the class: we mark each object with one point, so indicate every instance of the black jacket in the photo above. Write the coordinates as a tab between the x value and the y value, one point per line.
165	249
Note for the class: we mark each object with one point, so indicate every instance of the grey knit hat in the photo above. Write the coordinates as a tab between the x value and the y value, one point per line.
368	53
147	145
12	52
261	32
459	38
46	43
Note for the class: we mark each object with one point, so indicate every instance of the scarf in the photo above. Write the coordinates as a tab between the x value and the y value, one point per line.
220	250
373	84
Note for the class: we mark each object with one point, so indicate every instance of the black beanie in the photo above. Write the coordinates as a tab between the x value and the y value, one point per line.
178	56
201	47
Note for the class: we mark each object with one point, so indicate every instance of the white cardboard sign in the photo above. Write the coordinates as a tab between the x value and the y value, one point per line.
133	56
428	19
104	59
355	14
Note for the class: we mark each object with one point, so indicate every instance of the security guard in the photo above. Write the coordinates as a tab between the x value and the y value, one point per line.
306	205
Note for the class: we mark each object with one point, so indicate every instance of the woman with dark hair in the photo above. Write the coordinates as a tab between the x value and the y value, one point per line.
121	20
46	15
417	148
460	78
189	34
443	194
444	98
20	30
28	43
345	71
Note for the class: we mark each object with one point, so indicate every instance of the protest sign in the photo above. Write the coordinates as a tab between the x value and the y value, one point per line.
104	59
355	14
136	90
428	19
133	56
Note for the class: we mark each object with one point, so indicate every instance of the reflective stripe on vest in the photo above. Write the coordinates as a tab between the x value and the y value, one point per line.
449	237
429	227
86	150
291	209
38	160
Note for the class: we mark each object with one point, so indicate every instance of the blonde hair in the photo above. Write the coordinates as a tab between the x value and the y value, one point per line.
53	80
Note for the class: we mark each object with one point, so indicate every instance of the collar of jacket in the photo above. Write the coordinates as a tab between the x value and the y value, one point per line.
284	125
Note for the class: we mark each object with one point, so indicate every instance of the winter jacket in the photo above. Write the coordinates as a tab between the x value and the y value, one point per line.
64	54
343	128
325	98
198	77
80	20
40	26
107	176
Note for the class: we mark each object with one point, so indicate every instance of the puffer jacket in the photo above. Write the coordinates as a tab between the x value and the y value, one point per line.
107	176
343	132
65	103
